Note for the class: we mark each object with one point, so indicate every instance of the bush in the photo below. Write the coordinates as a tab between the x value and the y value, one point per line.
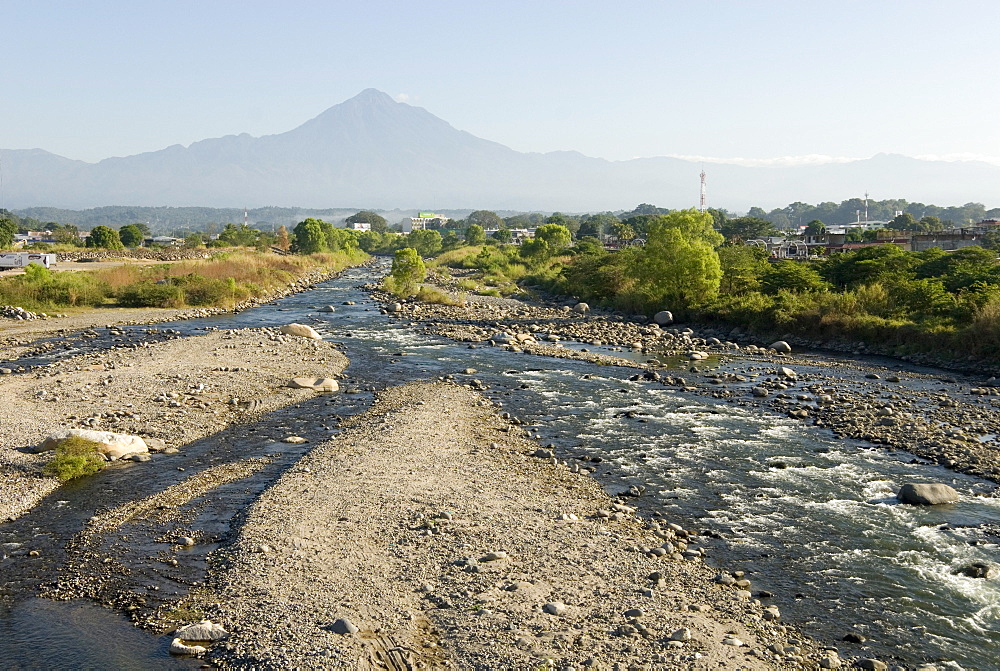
430	295
75	458
149	294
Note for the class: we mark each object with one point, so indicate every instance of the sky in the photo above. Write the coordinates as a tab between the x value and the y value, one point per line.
754	81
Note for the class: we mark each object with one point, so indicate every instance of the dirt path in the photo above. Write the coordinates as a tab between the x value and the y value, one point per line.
430	527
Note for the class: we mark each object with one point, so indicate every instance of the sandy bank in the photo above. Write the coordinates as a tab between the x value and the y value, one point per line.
391	526
156	385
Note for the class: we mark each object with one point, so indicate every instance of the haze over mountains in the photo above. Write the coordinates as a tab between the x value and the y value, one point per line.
373	152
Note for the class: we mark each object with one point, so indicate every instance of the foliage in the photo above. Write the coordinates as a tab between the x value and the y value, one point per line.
791	276
131	235
309	237
474	235
408	270
425	242
503	236
679	266
377	221
75	458
741	266
485	219
743	228
557	236
8	228
427	294
815	227
102	237
282	241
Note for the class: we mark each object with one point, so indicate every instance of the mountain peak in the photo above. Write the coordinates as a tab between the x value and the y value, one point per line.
372	97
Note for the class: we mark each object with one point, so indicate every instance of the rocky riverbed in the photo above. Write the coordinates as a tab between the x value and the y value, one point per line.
433	534
946	418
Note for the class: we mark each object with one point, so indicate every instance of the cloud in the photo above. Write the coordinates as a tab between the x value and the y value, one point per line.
960	156
402	97
807	159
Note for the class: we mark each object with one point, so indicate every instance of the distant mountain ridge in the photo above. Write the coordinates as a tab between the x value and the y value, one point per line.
371	151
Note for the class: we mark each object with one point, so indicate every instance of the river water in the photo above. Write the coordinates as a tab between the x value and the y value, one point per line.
811	518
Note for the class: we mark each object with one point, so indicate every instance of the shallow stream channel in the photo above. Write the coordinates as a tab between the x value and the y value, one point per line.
812	519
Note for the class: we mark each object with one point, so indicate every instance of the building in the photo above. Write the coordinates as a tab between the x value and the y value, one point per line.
423	220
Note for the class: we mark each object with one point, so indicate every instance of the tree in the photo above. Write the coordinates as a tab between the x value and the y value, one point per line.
194	241
536	249
407	271
102	237
474	235
930	225
623	231
282	241
131	235
8	228
791	276
815	227
903	222
742	265
485	218
427	243
745	228
377	222
679	265
596	225
309	238
556	236
503	236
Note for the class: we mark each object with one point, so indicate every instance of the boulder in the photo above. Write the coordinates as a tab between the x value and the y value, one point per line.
301	330
112	445
979	570
206	630
314	383
663	317
502	338
781	347
328	308
581	308
926	494
177	647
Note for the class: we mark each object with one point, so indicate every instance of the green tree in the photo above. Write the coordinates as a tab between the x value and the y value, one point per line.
596	225
194	241
742	266
536	249
679	265
622	231
503	236
309	237
791	276
407	271
474	235
8	229
239	236
745	228
903	222
427	243
815	227
102	237
556	236
485	218
377	221
131	235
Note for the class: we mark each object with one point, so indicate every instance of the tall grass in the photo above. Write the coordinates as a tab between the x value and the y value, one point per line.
222	281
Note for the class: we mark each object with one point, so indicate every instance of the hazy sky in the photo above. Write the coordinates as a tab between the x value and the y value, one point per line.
755	80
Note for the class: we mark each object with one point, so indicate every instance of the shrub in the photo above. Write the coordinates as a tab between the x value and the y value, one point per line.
430	295
149	294
75	457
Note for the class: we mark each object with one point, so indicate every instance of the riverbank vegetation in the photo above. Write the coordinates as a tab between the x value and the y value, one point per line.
225	280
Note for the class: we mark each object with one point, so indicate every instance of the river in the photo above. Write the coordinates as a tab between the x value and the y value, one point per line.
811	518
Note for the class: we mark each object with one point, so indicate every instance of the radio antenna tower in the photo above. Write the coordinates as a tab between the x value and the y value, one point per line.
866	207
701	205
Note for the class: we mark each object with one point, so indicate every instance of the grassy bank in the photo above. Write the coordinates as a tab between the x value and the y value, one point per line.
225	281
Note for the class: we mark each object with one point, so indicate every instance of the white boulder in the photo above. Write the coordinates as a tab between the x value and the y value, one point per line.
314	383
301	330
112	445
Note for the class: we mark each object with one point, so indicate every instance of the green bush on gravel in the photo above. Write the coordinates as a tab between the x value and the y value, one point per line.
75	458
